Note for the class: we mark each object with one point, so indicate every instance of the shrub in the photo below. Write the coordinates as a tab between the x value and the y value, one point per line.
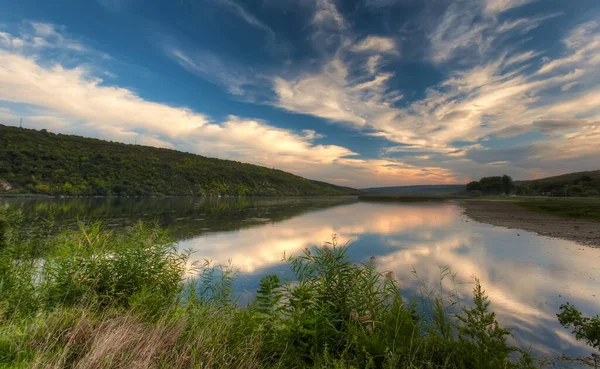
96	265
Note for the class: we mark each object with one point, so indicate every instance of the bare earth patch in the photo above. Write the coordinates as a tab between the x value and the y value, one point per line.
510	215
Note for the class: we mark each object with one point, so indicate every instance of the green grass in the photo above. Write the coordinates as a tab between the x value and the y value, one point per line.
583	208
125	300
571	208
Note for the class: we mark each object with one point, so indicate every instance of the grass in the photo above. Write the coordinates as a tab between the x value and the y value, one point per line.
571	208
583	208
101	299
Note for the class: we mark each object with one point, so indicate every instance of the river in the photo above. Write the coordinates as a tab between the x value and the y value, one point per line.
526	276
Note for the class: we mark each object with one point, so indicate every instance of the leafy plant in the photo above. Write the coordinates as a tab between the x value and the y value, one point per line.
584	328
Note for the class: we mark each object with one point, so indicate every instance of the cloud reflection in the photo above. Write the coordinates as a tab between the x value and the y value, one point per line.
526	276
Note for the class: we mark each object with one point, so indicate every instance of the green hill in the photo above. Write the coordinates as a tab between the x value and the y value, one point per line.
54	164
570	184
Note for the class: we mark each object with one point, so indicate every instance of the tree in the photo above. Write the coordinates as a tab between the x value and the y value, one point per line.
507	184
491	185
473	186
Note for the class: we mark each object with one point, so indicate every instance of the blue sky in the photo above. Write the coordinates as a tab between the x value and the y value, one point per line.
359	93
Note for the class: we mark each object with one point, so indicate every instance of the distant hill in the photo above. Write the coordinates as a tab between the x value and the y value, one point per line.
46	163
570	184
563	178
417	190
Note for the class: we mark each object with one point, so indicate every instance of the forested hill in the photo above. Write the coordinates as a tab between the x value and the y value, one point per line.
45	163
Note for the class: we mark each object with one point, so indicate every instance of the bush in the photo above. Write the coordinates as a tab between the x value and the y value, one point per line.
108	269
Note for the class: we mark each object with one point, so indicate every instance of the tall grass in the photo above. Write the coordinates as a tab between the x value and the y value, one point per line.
100	299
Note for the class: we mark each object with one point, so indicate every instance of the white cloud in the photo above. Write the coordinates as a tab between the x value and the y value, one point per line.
212	69
498	96
583	45
459	30
465	32
376	44
327	15
36	35
494	7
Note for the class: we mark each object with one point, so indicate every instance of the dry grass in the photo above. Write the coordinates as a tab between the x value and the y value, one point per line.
126	342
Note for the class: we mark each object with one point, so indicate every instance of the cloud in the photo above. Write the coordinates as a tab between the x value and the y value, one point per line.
328	16
500	94
209	67
550	126
376	44
238	10
260	142
37	36
583	45
73	93
334	95
465	31
495	7
459	29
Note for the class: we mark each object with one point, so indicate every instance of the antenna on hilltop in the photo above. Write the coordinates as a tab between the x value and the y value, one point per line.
21	123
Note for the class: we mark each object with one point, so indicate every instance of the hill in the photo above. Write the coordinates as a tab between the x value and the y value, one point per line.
417	190
570	184
41	162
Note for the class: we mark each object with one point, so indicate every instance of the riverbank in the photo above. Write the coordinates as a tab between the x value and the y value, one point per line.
557	218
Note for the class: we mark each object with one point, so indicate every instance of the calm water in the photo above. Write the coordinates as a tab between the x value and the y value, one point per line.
526	276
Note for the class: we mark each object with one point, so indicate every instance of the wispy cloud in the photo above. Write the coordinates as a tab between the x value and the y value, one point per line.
583	49
499	94
376	43
494	7
327	15
36	35
249	18
211	68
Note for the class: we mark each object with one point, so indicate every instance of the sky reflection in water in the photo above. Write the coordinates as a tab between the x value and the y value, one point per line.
526	276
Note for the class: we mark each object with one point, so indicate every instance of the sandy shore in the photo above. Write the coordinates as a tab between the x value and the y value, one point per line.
510	215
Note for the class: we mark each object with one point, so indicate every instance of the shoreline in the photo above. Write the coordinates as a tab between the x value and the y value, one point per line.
510	215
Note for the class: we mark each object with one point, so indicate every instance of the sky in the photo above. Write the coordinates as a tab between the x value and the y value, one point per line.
359	93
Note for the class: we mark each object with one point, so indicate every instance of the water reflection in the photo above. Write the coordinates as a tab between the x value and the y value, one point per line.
526	276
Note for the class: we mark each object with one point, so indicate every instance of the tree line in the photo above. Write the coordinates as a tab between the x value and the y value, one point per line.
495	185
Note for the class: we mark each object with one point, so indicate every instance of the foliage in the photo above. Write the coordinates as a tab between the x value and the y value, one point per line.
580	184
584	328
53	164
473	186
107	300
507	184
495	185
